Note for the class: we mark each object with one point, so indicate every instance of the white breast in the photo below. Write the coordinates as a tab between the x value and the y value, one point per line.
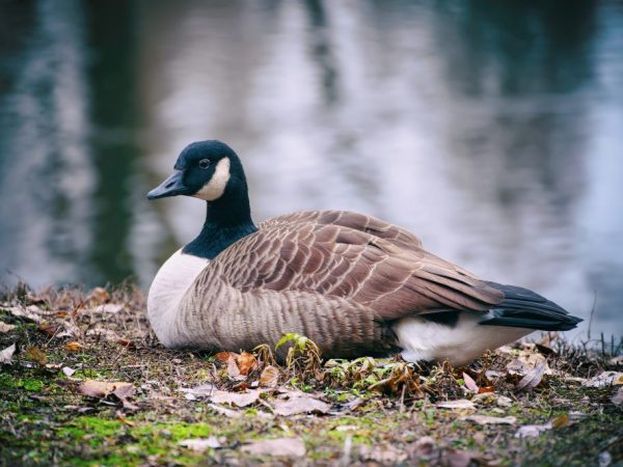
172	281
460	344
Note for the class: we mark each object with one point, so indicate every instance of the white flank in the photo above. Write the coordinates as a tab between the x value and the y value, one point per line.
172	281
215	188
425	340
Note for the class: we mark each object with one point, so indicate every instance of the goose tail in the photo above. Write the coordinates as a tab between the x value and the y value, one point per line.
523	308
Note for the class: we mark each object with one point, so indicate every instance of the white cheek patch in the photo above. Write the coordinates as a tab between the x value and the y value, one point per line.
215	188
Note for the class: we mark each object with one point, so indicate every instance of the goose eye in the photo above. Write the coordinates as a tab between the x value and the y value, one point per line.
204	163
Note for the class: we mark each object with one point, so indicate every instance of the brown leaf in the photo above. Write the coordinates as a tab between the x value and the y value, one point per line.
102	389
50	329
470	383
35	354
290	447
269	377
604	379
203	390
225	411
456	458
99	295
525	362
299	402
246	363
532	431
73	346
6	355
456	404
487	420
486	389
200	444
5	327
383	455
232	369
533	377
238	399
32	312
224	357
110	308
560	421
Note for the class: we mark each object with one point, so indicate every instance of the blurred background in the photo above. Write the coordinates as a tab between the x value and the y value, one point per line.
493	130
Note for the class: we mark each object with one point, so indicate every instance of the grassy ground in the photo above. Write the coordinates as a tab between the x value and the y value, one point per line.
55	407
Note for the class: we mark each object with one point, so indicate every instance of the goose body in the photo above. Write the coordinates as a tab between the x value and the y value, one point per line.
354	284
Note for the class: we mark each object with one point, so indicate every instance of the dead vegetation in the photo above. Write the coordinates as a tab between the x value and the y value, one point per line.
84	381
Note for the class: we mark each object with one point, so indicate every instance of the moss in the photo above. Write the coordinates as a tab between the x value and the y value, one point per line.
9	382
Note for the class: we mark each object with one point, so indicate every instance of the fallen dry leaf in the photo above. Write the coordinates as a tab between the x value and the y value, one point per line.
486	389
35	354
470	383
532	431
68	371
201	391
246	363
102	389
384	455
299	402
488	420
561	421
290	447
457	458
73	346
504	401
5	327
525	362
224	357
532	378
200	444
607	378
99	295
225	411
456	404
232	369
269	377
238	399
110	308
6	355
50	329
32	312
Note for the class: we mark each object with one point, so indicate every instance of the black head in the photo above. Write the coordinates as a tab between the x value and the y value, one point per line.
205	170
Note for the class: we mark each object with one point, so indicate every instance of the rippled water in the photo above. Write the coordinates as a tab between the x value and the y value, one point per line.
494	131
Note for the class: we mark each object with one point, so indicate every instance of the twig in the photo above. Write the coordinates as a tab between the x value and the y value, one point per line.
590	319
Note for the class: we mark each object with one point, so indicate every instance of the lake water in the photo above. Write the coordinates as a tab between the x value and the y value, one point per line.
492	130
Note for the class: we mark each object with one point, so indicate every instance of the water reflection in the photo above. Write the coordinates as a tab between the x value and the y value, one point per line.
490	130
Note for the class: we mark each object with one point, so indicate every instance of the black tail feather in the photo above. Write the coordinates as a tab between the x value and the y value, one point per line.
523	308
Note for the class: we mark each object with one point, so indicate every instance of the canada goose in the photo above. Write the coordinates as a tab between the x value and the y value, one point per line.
354	284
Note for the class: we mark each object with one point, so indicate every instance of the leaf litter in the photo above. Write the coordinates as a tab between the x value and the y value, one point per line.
387	404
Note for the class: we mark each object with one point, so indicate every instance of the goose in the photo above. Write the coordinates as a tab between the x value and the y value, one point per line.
354	284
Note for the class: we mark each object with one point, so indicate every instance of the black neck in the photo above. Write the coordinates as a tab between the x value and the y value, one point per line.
228	219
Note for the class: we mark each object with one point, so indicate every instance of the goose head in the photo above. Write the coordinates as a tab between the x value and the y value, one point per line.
205	170
211	171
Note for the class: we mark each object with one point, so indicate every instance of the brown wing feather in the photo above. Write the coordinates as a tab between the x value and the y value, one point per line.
353	257
352	220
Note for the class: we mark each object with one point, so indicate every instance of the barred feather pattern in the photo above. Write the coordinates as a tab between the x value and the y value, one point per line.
338	277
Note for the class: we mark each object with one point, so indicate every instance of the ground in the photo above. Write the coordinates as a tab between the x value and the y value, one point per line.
88	384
